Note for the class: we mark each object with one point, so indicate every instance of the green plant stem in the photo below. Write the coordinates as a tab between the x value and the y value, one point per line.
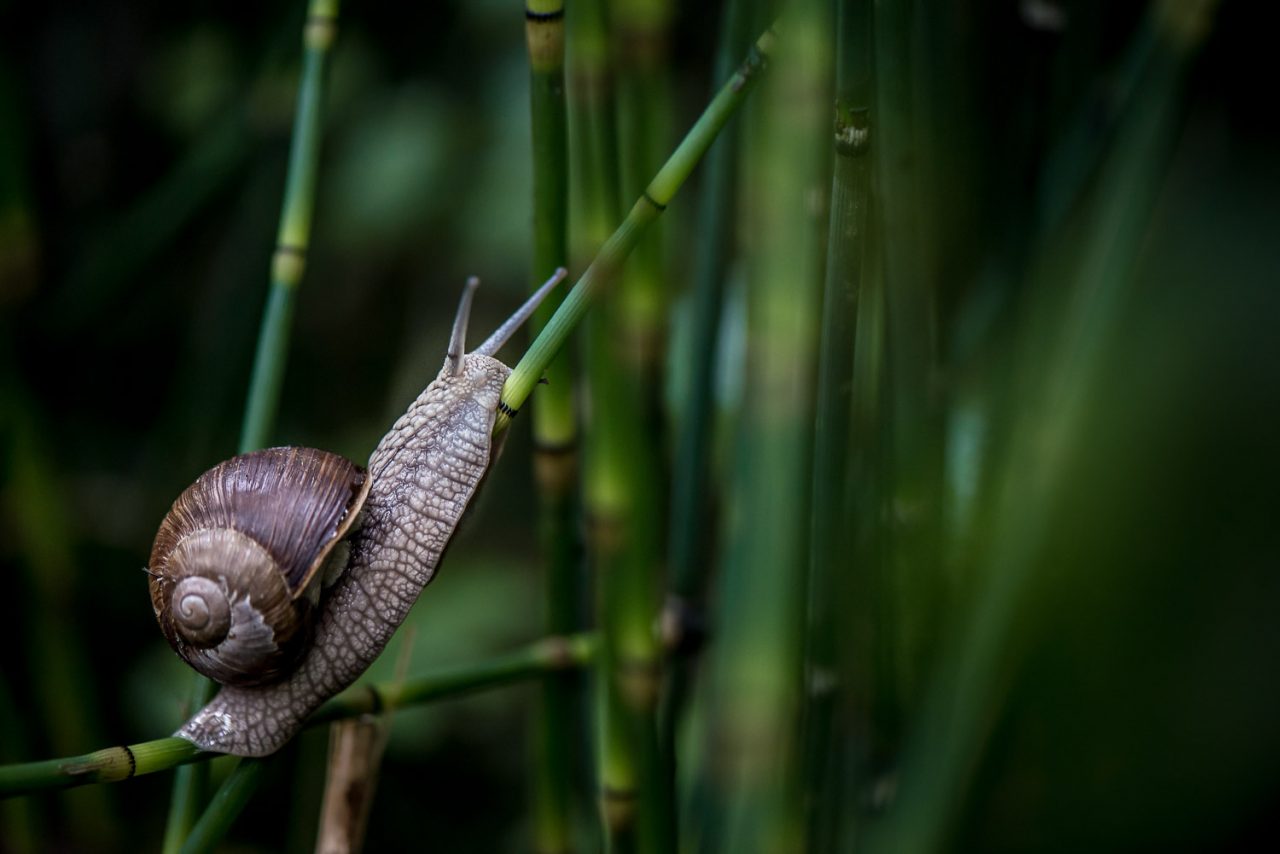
625	345
109	765
189	781
609	260
555	430
915	424
228	801
287	267
692	515
554	424
113	764
621	496
294	236
832	537
607	504
644	110
757	672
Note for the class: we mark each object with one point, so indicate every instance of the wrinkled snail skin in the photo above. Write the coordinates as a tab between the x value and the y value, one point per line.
423	475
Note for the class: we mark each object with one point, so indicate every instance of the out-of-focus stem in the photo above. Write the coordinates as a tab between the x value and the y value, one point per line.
832	617
756	662
555	431
692	517
114	764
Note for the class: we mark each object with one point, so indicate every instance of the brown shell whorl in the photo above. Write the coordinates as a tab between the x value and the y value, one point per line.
239	550
200	611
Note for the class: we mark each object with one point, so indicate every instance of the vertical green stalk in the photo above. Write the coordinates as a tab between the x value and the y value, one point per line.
609	260
972	682
757	660
832	537
293	239
622	497
866	666
608	503
288	264
555	431
636	322
644	110
691	518
915	423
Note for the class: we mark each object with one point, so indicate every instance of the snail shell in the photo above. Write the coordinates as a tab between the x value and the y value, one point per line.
420	479
234	590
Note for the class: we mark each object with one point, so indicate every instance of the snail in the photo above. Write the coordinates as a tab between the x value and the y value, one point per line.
283	573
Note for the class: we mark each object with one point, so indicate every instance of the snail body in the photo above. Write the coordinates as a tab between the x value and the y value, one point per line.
283	574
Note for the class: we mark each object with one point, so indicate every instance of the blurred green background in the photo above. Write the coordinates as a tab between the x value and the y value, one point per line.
1111	510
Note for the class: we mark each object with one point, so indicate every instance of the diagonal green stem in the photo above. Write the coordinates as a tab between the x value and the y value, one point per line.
113	764
232	797
647	208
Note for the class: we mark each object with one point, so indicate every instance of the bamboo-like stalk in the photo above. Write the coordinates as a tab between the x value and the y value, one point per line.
866	673
832	538
757	660
288	264
916	426
692	519
554	424
113	764
608	261
624	537
625	393
607	504
972	681
555	430
641	35
293	239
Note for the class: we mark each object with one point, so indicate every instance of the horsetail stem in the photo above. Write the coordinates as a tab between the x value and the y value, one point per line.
113	764
554	426
608	261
